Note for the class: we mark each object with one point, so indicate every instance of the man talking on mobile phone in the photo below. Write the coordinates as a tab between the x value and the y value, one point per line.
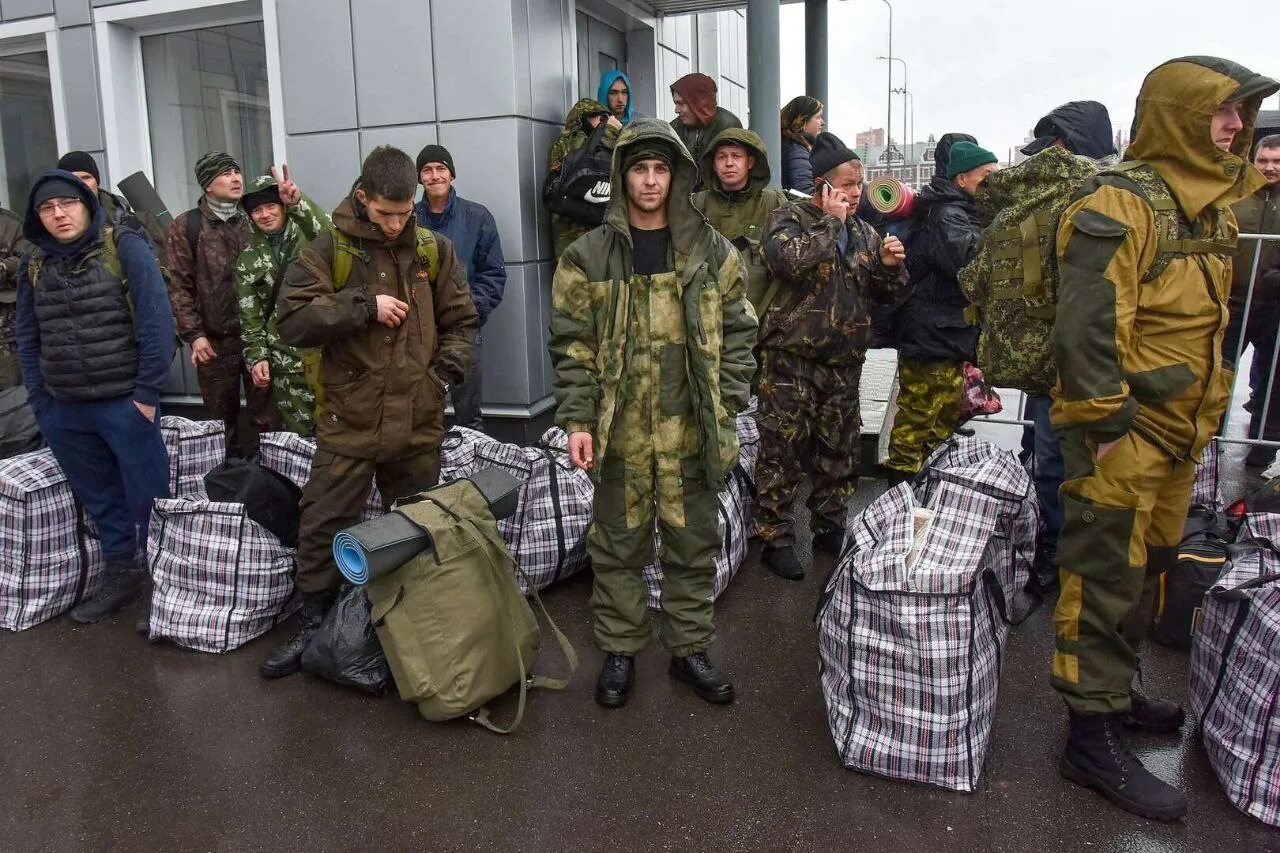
813	341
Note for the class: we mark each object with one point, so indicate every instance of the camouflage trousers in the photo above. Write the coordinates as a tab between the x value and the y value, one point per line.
1123	520
928	410
294	399
808	411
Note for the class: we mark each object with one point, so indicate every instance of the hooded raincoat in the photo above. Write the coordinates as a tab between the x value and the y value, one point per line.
607	79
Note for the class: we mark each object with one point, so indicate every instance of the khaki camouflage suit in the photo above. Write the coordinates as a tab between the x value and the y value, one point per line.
656	369
259	273
1144	260
12	245
813	342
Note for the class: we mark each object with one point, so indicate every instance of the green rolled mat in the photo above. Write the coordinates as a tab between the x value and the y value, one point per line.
891	197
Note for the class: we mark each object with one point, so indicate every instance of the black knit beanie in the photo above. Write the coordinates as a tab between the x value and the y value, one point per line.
79	161
436	154
828	153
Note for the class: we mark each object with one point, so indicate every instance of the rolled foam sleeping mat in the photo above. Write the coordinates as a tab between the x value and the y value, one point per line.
891	197
377	547
143	196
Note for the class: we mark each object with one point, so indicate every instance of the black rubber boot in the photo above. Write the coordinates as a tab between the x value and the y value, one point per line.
705	677
617	675
829	541
1097	756
1154	715
288	658
122	583
783	562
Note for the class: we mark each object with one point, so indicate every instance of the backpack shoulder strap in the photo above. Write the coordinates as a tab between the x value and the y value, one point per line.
345	251
192	224
111	253
428	251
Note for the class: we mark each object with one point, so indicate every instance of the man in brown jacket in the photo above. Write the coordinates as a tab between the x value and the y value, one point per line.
202	288
395	324
12	245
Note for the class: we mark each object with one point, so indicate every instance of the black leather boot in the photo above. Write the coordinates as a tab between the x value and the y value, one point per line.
705	677
617	675
783	562
1154	715
1097	756
830	541
288	658
122	583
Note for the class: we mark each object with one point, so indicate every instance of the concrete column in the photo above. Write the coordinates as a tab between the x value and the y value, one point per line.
764	77
815	53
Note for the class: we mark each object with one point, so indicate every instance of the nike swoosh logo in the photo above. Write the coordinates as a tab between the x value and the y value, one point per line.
595	198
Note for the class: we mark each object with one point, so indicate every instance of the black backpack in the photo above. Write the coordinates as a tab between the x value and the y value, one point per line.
269	498
19	432
1202	556
580	188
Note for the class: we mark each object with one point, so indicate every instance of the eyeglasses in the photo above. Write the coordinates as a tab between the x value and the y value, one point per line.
52	206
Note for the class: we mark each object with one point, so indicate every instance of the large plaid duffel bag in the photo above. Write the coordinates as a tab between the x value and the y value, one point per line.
913	620
748	440
735	529
290	455
547	533
1207	491
195	448
48	560
1235	674
220	579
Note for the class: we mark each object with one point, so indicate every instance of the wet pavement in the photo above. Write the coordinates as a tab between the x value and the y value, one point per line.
107	743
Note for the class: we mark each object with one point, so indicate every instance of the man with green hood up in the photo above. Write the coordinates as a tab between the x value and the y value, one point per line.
737	200
284	222
579	129
1144	260
651	335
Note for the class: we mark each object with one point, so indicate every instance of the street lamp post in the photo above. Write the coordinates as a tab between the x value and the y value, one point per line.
888	119
906	140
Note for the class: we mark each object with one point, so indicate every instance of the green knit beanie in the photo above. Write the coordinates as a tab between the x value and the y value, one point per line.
965	156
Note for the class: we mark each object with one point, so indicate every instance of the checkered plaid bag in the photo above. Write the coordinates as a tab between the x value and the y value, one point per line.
290	455
48	560
548	531
1207	490
195	448
748	440
1235	676
735	529
220	579
911	647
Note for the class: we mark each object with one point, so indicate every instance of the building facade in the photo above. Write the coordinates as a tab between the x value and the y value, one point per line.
149	85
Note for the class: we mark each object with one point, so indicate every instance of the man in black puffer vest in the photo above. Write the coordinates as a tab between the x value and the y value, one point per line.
95	338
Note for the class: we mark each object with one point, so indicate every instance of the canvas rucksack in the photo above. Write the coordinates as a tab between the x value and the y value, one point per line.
1012	283
345	253
455	627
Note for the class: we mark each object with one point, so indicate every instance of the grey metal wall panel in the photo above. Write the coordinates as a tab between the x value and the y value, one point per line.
80	89
543	373
547	75
110	2
72	13
12	10
317	67
474	45
541	138
486	155
325	165
409	139
394	73
505	361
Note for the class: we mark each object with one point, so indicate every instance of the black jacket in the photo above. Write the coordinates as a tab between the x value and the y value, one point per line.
797	172
943	237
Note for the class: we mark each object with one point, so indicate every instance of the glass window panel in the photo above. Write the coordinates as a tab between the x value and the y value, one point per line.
28	144
206	91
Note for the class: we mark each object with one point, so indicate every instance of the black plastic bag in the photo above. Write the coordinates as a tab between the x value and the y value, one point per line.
19	432
345	649
269	498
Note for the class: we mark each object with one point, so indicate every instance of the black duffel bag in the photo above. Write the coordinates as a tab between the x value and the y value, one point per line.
269	498
580	189
1202	555
19	432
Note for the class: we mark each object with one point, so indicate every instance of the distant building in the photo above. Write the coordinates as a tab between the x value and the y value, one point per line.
870	138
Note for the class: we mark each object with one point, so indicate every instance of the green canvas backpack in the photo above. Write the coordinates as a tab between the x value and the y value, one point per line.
456	630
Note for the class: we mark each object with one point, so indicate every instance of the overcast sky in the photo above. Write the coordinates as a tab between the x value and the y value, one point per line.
993	67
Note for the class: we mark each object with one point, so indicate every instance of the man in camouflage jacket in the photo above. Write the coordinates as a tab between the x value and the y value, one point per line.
12	245
584	118
284	222
813	342
651	337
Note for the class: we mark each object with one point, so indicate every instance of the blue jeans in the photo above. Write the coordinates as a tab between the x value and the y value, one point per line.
115	462
465	396
1050	472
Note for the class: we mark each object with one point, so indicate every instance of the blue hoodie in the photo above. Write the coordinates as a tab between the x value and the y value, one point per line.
152	314
602	94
